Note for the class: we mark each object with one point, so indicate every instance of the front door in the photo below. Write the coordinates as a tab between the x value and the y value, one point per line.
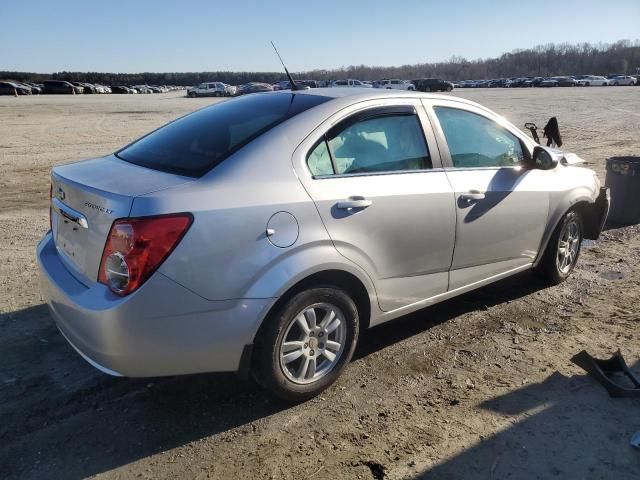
384	205
501	206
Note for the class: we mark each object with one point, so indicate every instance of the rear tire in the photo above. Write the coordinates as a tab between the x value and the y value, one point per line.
448	89
304	346
563	250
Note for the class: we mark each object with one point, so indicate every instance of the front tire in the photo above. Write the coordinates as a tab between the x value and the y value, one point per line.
304	346
562	252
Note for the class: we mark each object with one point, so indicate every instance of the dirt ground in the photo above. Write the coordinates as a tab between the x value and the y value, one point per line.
478	387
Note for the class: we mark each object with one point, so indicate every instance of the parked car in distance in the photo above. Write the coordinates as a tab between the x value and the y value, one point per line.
79	87
549	82
515	82
286	85
565	81
120	89
350	83
232	90
60	87
209	89
238	238
534	82
619	80
35	89
308	83
432	85
281	85
143	89
592	81
253	87
89	88
396	84
13	88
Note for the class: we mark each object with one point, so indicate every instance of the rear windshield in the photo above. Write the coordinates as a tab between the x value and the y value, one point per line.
196	143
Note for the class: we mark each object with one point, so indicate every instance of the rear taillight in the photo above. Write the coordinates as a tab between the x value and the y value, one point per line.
136	247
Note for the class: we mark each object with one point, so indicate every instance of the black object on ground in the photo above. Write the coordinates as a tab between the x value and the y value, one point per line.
604	371
623	179
534	131
552	133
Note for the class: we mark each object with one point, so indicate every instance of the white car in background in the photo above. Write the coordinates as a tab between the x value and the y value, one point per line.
593	80
209	89
618	80
350	82
396	84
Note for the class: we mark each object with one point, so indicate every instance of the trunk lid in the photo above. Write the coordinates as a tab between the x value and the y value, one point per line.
87	197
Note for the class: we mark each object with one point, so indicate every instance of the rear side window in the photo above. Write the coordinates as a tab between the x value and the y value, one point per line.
196	143
319	160
388	143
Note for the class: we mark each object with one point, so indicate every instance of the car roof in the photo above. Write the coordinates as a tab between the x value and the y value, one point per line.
360	94
355	95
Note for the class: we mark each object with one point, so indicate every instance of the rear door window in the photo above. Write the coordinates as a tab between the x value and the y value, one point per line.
387	143
196	143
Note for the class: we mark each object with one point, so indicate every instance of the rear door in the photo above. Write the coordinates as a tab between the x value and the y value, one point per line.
381	192
501	206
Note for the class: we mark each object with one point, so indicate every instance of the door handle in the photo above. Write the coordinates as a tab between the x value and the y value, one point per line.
354	202
472	196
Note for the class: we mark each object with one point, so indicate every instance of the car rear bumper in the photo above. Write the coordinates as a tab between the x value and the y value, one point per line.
161	329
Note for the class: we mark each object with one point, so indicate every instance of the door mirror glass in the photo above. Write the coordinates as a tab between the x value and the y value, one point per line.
544	158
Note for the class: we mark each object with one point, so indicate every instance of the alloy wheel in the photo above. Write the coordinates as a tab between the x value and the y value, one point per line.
313	343
568	247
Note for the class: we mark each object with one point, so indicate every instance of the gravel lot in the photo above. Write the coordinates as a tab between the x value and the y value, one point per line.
478	387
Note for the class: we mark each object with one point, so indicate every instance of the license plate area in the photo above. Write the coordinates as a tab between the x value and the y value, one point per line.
70	240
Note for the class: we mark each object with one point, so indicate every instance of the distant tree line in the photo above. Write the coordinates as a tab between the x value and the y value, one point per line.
622	57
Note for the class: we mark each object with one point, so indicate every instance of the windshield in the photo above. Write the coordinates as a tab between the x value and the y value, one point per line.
196	143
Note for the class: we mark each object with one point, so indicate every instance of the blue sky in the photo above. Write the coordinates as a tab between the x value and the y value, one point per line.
210	35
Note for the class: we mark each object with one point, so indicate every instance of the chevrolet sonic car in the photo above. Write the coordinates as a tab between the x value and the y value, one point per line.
262	234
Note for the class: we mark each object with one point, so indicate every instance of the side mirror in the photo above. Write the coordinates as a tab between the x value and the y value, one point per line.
544	158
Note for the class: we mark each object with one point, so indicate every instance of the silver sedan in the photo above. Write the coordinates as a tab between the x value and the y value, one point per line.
262	234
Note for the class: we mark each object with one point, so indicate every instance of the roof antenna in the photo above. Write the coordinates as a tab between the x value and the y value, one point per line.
293	84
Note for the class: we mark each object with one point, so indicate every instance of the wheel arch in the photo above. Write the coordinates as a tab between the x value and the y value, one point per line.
342	279
347	281
586	210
